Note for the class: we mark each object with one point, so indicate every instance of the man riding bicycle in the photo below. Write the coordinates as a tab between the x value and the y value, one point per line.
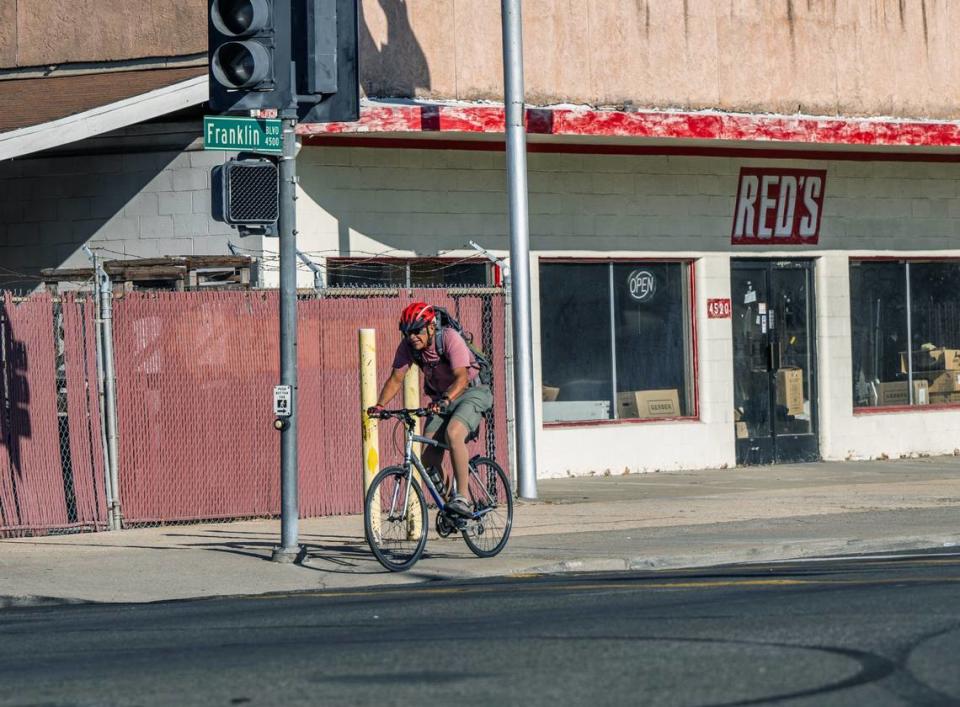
451	379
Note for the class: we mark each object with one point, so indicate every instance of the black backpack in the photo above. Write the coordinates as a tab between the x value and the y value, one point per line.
445	320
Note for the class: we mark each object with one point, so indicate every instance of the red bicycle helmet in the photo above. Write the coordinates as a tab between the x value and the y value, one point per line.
416	316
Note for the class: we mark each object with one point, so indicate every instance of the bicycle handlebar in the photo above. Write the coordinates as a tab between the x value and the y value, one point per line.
404	412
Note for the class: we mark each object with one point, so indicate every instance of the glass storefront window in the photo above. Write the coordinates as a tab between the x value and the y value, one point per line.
616	341
878	319
900	307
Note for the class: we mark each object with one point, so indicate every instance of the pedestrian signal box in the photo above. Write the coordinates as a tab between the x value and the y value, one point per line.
248	192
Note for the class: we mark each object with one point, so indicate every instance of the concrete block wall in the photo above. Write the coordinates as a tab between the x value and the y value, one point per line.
358	201
430	200
133	205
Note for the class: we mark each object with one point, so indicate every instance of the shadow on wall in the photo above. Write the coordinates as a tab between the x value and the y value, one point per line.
14	416
398	67
132	205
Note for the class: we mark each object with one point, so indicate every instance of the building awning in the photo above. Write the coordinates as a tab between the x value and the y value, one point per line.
41	113
481	127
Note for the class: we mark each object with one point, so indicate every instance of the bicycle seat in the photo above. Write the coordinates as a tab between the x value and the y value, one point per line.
473	436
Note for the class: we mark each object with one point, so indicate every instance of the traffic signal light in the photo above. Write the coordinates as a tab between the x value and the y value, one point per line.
325	50
250	54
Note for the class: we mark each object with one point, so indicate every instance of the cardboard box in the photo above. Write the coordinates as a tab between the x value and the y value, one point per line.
895	393
576	410
742	432
790	390
943	398
550	394
940	381
648	403
932	360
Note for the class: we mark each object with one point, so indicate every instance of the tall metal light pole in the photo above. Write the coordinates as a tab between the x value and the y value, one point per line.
519	246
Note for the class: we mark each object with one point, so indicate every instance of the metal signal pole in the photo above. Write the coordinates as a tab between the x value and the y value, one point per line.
289	549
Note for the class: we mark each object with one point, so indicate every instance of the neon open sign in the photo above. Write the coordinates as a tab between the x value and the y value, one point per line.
642	285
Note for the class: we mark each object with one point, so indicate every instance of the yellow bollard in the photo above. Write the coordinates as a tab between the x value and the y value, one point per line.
368	398
411	399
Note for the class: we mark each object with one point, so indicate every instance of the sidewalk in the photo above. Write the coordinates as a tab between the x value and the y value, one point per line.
661	520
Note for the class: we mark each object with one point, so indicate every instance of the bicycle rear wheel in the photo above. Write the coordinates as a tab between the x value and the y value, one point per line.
489	491
395	519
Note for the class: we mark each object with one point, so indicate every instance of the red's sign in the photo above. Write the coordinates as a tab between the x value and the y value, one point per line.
778	206
718	308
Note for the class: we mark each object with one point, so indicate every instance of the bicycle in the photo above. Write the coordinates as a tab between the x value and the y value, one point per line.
395	520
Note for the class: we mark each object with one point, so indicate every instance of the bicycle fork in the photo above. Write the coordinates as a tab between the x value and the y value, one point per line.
413	515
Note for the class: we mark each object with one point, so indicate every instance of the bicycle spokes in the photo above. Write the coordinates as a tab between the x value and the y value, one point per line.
395	519
492	501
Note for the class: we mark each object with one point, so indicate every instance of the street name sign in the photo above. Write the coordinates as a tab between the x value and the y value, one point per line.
242	134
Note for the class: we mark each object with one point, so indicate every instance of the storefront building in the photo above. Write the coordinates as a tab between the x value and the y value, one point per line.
720	277
696	304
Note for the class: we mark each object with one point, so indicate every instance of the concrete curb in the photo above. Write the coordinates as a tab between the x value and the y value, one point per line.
32	600
786	551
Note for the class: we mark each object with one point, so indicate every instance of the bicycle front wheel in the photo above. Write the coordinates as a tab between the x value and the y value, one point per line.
395	519
489	494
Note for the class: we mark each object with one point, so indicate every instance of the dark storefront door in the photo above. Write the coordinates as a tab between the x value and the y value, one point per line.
774	361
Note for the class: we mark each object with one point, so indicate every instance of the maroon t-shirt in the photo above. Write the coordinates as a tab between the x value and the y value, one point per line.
437	369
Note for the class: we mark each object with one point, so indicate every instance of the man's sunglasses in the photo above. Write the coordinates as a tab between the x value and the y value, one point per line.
414	331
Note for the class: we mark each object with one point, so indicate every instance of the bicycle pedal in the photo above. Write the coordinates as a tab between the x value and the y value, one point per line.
455	522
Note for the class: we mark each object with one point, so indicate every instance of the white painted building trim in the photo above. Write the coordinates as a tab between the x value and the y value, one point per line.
102	119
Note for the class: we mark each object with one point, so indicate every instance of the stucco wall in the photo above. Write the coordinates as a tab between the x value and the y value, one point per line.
8	33
51	32
847	57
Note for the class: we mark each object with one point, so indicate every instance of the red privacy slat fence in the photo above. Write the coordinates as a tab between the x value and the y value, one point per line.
51	448
83	412
195	373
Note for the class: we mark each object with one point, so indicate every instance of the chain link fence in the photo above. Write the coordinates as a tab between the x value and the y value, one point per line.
195	373
51	440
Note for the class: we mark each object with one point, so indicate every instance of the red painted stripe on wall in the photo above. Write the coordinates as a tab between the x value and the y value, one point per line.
650	125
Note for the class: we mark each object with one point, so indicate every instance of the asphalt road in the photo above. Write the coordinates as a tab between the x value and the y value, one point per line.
882	631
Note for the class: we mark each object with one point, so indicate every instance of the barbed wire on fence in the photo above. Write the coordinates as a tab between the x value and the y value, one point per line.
390	267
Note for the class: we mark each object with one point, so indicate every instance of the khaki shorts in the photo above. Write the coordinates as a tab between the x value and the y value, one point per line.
468	408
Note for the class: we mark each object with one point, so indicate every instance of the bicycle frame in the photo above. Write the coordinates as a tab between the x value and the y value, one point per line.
412	460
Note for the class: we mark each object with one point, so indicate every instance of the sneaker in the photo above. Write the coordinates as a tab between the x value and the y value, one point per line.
459	506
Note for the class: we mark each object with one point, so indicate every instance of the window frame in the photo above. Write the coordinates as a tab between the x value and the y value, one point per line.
906	261
691	345
491	270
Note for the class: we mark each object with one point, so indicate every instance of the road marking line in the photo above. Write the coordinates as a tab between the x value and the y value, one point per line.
618	585
839	558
